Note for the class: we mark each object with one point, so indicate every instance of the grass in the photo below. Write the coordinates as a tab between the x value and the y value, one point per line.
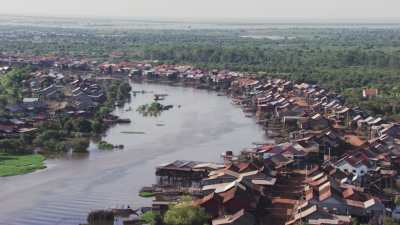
11	165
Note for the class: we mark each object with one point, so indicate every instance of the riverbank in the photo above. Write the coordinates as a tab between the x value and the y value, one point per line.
12	165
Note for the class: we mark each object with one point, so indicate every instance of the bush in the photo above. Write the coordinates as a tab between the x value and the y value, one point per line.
48	135
103	145
54	146
80	145
14	147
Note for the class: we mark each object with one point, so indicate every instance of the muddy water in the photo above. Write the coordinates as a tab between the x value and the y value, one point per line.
204	126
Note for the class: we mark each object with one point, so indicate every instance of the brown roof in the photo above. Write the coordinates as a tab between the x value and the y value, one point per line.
347	193
228	195
354	140
370	92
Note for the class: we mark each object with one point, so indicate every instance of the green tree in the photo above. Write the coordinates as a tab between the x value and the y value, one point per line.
185	213
48	135
97	127
83	125
27	138
152	218
69	126
13	146
103	111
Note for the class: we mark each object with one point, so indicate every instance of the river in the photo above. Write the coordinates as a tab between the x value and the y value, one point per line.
201	129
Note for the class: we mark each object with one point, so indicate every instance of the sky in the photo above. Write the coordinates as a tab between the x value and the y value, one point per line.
208	9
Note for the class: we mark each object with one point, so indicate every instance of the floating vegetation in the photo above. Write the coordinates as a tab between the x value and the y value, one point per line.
103	145
146	194
154	109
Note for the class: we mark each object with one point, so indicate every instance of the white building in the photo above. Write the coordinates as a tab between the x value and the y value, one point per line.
352	164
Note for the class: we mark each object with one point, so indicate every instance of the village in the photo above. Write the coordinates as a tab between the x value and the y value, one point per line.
330	163
54	90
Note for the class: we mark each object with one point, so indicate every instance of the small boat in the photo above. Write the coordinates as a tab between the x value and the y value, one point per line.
119	103
132	132
158	98
123	121
249	115
168	107
161	95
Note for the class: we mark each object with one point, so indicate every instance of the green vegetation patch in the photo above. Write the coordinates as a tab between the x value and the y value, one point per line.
146	194
154	109
11	165
149	217
104	145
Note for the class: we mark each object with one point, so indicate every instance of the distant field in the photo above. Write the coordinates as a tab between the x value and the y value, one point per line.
11	165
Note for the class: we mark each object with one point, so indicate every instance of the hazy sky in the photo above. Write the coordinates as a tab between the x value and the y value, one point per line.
325	9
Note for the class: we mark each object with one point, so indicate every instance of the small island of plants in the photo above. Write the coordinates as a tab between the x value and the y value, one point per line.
153	109
104	145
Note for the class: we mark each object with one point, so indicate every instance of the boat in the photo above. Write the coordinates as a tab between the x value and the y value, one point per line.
249	115
123	121
159	97
167	107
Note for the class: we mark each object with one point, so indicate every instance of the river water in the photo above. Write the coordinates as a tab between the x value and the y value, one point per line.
201	129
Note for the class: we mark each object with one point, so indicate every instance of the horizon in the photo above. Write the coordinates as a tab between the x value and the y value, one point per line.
251	10
227	20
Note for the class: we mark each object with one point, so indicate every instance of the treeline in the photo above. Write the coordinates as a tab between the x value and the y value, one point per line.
344	59
277	59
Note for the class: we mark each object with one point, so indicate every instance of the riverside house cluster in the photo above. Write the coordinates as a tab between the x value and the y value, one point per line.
330	163
57	88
